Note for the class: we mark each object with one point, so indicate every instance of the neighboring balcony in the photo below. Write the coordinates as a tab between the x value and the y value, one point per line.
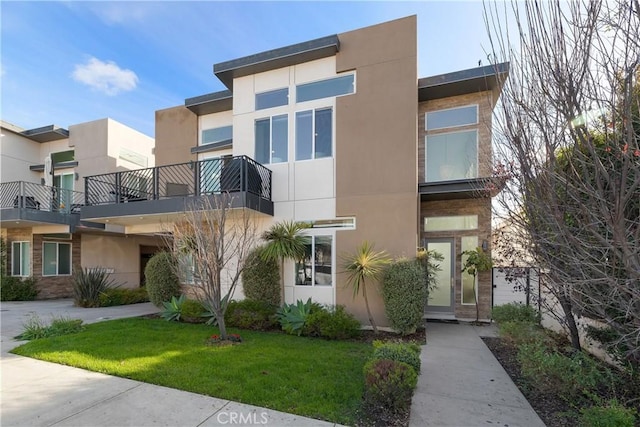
121	197
27	204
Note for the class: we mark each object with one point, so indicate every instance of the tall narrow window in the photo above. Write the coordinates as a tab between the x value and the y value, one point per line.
316	269
272	140
20	258
314	134
56	259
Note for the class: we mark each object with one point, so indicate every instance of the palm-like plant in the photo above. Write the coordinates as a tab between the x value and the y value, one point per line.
284	241
365	264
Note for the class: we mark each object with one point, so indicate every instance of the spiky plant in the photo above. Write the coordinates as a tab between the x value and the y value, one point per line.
365	264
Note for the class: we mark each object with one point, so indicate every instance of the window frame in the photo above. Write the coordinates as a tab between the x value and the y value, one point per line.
20	243
267	92
336	77
314	133
313	237
70	245
271	153
439	134
475	123
202	143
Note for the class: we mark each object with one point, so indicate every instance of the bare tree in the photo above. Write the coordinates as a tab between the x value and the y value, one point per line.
214	240
567	146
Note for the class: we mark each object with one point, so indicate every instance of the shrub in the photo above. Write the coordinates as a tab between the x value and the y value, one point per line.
571	377
17	289
123	296
173	309
292	317
388	388
192	311
519	333
515	312
334	324
35	328
611	415
400	352
251	314
261	278
161	279
89	284
404	293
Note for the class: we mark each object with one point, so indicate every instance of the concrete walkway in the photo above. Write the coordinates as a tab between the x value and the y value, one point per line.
463	385
36	393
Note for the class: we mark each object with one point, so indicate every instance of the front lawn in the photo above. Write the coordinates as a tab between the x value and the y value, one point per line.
305	376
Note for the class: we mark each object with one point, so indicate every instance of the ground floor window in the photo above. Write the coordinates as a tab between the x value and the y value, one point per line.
20	258
316	268
56	259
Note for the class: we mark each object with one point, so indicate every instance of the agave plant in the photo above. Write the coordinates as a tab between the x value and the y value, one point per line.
292	317
365	264
173	309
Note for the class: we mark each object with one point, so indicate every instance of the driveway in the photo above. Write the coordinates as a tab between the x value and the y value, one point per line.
13	315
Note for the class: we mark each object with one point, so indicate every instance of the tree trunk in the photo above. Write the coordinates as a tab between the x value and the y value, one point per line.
475	297
366	303
282	282
221	325
570	322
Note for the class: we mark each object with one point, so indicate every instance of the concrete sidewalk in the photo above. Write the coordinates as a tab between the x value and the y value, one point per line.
37	393
463	385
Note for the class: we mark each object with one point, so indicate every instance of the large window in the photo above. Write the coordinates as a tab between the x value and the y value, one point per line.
56	259
452	156
214	135
316	269
452	117
273	98
20	258
272	139
337	86
314	134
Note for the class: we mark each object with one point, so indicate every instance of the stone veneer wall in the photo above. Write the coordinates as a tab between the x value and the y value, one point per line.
482	208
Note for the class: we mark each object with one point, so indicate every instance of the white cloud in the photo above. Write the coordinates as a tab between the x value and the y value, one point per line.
106	77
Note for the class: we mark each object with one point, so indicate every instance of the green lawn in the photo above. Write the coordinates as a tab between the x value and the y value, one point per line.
310	377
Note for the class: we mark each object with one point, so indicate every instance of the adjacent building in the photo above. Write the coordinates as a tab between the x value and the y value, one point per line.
339	132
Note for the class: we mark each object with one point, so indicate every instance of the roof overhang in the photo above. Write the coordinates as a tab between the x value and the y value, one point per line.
210	103
471	188
473	80
46	133
276	58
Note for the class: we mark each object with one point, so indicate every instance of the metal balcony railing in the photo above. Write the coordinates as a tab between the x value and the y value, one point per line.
28	195
195	178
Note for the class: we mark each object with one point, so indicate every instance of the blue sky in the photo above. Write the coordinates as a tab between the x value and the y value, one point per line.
72	62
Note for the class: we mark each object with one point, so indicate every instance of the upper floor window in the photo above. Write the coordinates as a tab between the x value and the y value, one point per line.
336	86
451	156
314	134
272	141
453	117
211	136
56	259
272	98
20	258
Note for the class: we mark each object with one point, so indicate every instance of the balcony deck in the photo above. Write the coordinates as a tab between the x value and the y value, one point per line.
173	188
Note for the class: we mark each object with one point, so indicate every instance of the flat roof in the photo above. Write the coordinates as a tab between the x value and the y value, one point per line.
472	80
276	58
210	103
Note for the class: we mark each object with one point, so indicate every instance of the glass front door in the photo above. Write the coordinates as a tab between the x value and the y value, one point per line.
441	299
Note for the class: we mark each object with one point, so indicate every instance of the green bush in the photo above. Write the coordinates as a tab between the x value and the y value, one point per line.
161	279
611	415
519	333
400	352
251	314
515	312
123	296
89	284
193	311
17	288
333	324
261	278
35	328
571	377
404	293
292	317
388	389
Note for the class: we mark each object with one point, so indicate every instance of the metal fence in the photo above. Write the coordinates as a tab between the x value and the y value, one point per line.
28	195
212	176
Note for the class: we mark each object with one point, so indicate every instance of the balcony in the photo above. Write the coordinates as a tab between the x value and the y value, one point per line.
28	204
171	189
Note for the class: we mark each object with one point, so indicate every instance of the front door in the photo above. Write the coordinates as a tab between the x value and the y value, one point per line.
441	299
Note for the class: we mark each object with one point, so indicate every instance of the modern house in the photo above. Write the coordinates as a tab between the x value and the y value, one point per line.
339	132
42	194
